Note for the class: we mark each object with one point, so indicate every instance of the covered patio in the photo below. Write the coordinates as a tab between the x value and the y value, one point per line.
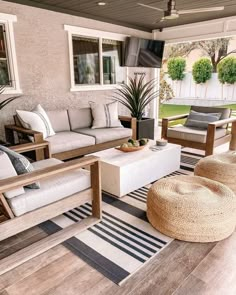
103	196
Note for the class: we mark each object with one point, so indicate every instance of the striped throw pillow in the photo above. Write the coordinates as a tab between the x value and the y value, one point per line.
105	115
201	120
20	163
36	120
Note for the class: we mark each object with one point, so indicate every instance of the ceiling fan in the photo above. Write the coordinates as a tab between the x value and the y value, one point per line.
173	13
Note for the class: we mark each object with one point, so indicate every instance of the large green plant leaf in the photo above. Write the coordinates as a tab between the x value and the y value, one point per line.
136	95
7	100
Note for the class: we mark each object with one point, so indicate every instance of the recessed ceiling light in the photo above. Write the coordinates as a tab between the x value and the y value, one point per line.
101	3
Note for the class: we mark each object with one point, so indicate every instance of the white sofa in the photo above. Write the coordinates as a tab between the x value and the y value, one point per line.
74	135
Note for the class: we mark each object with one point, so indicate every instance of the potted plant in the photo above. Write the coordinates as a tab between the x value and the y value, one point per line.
136	96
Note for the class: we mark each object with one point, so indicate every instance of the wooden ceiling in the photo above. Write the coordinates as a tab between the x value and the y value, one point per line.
129	14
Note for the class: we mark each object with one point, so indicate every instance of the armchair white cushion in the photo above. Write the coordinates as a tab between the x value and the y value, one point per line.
52	189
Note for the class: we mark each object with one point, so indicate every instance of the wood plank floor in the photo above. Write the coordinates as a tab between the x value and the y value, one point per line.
181	269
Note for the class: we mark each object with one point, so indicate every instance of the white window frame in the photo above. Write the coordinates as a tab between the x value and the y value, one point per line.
7	20
85	32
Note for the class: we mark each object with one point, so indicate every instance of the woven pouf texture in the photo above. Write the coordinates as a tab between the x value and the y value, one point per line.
220	167
192	208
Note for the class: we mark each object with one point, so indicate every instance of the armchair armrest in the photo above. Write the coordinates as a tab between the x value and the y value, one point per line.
25	179
165	123
177	117
223	122
10	129
27	147
133	124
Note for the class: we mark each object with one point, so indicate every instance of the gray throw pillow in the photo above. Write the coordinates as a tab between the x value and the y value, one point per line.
21	164
201	120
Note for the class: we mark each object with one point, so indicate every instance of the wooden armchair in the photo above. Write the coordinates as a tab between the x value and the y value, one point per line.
15	224
216	134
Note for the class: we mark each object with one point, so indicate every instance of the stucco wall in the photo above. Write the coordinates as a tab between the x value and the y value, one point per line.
43	59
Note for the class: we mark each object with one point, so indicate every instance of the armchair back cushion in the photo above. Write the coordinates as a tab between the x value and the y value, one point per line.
225	112
80	118
201	120
7	170
59	120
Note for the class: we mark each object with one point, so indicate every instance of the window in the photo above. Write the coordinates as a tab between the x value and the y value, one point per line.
4	64
8	65
95	59
86	60
111	57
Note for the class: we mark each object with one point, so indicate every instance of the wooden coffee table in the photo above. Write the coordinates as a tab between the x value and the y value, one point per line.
123	173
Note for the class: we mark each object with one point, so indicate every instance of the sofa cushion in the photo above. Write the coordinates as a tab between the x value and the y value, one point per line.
7	170
20	163
59	120
192	134
105	115
52	189
106	134
225	112
36	120
68	140
80	118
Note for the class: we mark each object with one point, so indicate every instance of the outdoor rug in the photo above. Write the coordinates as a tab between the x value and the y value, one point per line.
123	241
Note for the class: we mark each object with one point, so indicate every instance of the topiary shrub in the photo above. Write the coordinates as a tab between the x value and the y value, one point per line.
176	67
202	70
227	70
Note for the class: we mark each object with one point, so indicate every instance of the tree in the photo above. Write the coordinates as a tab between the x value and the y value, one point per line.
216	49
202	70
176	67
227	70
177	50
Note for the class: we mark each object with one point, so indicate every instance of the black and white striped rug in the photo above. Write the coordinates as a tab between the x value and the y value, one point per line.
123	241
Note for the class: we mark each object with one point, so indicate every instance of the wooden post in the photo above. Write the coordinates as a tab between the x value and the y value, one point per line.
232	145
96	187
164	128
134	128
39	154
210	140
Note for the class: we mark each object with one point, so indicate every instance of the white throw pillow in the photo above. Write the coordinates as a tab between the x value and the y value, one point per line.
36	120
105	115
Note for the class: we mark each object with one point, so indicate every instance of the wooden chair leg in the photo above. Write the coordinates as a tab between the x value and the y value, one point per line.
96	187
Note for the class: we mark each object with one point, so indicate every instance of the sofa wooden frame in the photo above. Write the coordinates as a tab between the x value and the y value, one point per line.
211	141
12	130
18	224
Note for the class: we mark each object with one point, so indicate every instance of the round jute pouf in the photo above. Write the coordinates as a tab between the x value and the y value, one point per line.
192	208
220	167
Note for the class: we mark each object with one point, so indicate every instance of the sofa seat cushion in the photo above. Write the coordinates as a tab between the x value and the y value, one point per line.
192	134
106	134
52	189
68	140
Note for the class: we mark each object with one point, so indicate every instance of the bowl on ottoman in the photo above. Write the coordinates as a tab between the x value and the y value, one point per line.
192	208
